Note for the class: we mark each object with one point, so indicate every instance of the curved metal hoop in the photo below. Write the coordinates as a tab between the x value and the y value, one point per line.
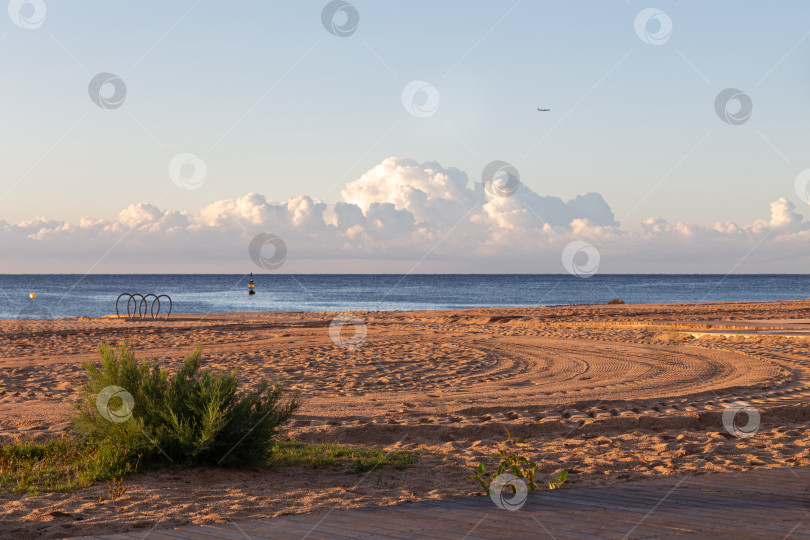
139	305
131	301
142	306
167	297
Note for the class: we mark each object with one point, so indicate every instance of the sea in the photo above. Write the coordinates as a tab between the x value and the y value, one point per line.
94	295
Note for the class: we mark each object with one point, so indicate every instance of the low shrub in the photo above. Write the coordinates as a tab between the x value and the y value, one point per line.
193	417
616	301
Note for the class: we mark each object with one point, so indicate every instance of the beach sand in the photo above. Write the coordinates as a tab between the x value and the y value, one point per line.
609	393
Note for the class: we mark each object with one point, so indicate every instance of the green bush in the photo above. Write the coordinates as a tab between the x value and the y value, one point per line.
194	417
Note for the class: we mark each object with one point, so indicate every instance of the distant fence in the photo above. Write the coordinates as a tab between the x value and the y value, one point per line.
139	305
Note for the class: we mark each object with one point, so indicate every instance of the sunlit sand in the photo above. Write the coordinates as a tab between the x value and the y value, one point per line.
609	393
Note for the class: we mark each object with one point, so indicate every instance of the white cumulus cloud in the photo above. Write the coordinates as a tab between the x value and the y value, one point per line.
402	216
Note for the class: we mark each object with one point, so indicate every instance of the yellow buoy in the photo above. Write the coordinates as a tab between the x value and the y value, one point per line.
32	296
251	291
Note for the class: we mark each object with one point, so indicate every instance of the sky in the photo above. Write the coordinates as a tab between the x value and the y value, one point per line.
358	134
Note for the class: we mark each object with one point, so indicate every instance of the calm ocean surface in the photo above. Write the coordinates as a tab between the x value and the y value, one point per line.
94	295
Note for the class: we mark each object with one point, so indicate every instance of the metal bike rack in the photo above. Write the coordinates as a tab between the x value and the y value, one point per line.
139	306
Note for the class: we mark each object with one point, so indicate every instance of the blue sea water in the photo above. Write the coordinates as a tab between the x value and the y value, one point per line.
68	295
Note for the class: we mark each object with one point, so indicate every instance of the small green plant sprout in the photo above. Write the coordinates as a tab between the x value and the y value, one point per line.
557	482
513	462
115	488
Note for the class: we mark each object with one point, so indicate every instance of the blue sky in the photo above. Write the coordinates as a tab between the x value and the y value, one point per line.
274	104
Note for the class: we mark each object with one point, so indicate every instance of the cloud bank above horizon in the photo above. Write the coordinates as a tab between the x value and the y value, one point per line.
403	216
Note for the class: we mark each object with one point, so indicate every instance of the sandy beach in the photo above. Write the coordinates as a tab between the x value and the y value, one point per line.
608	393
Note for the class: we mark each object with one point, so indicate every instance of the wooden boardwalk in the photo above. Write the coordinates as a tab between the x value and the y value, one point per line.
754	504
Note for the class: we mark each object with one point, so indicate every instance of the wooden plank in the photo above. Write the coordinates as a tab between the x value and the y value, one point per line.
138	535
187	533
435	519
655	526
618	525
680	514
520	521
302	529
785	486
255	531
701	528
391	524
740	529
645	505
688	500
131	535
781	483
395	528
777	485
300	524
414	521
453	523
713	521
317	527
175	534
281	527
682	498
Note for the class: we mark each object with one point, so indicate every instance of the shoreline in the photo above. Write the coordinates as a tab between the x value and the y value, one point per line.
626	305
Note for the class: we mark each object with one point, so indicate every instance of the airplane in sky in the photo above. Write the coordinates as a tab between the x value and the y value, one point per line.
543	110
